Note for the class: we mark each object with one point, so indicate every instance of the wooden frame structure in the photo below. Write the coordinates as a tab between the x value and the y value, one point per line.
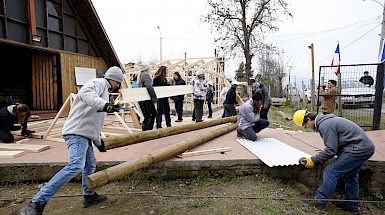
187	68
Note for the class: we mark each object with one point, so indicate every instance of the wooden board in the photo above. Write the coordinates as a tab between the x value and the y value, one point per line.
141	94
205	152
23	147
10	154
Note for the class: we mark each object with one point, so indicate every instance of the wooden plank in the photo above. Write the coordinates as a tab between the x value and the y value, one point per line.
141	94
10	154
23	147
55	139
205	152
122	122
23	141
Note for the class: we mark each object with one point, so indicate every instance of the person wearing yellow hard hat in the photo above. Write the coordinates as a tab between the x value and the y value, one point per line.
347	141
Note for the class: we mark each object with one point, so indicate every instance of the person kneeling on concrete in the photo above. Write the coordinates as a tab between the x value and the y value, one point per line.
352	146
83	126
249	121
10	115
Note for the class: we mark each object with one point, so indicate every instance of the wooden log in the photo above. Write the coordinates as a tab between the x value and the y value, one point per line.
121	170
128	139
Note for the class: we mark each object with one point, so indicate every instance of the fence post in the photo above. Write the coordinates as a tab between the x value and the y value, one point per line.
378	97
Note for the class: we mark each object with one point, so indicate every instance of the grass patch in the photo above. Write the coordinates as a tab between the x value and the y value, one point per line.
199	203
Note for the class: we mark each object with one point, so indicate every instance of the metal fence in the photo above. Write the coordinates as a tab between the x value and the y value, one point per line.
360	93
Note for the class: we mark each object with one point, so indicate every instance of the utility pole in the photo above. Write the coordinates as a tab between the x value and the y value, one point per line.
312	79
382	31
160	44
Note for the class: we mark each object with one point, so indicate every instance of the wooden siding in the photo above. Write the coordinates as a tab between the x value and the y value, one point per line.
69	62
44	82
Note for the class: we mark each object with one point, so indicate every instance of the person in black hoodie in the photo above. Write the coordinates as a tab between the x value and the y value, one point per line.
10	115
210	97
347	141
178	100
230	101
163	105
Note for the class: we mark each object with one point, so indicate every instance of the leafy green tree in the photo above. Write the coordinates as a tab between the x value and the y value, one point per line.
240	74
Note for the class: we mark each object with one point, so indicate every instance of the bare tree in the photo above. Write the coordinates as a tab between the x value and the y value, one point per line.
273	68
240	24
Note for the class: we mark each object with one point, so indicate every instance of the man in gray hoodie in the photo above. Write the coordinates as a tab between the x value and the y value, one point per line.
83	126
352	147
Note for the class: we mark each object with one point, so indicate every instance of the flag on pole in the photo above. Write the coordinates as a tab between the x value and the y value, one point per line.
382	56
336	60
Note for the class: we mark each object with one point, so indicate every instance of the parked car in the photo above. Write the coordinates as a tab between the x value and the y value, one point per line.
355	93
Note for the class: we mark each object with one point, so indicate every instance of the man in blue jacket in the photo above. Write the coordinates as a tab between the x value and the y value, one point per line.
83	126
352	147
266	99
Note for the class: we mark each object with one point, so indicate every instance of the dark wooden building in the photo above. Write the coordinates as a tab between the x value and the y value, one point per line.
42	73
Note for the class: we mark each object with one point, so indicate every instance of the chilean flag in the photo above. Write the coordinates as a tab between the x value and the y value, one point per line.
336	60
382	57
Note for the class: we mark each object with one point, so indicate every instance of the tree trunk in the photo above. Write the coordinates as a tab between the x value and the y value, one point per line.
124	169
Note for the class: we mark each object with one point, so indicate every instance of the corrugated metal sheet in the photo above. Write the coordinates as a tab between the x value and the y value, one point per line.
273	152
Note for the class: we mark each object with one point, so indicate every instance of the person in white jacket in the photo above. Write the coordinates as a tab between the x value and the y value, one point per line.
200	91
83	126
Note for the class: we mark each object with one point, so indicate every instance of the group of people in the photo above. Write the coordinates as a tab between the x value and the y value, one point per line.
150	113
341	137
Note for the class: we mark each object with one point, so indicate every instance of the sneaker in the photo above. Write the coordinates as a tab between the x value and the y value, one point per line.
209	117
344	207
94	199
240	133
33	208
179	120
314	203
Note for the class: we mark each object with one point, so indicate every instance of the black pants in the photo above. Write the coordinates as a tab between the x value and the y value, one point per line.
264	112
149	114
210	109
179	109
230	110
6	136
163	107
198	106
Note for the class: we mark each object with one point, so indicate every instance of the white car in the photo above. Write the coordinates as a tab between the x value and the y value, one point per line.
355	93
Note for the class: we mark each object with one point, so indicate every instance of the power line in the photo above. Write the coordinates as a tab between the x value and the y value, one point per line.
350	43
333	29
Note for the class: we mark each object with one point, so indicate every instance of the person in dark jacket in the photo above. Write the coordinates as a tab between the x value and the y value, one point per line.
266	99
178	100
163	106
367	79
10	115
249	121
210	97
231	100
148	108
352	147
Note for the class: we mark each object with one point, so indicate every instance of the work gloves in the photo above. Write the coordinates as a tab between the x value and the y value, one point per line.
309	163
110	108
100	145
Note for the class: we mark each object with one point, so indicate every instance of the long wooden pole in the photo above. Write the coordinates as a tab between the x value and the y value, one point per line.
124	169
128	139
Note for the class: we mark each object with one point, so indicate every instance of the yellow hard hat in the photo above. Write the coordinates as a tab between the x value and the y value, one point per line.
299	116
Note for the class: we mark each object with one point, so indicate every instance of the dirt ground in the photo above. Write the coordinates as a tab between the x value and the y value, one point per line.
123	198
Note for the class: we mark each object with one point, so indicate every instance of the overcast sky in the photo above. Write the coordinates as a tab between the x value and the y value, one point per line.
355	24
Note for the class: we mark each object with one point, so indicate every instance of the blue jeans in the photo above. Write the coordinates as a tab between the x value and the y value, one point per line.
82	158
347	166
250	132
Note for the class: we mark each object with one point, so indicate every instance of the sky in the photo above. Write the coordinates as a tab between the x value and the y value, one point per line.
132	27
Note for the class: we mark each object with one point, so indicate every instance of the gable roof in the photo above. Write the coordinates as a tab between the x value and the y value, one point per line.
95	29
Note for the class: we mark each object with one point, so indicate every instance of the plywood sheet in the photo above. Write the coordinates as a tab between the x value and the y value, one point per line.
141	94
23	147
10	154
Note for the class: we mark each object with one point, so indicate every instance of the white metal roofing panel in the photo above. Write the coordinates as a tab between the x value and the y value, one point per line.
273	152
